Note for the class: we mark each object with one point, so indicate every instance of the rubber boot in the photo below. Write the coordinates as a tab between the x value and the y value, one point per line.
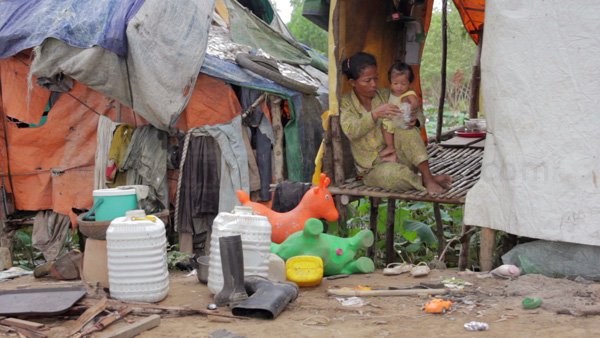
268	299
232	261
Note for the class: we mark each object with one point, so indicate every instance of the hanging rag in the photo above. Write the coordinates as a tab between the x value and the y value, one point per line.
199	196
49	233
104	134
262	139
288	195
116	155
146	164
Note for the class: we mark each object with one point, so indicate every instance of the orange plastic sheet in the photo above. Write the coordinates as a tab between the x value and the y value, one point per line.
472	13
51	166
14	75
213	102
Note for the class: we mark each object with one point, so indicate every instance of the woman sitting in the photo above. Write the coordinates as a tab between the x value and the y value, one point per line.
362	111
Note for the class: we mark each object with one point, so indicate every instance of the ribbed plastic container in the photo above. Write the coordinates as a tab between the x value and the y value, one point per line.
137	258
256	242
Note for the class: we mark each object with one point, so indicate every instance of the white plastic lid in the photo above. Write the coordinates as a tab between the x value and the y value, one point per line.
242	210
114	192
135	213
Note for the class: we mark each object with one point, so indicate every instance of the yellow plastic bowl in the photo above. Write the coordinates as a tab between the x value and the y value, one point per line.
304	270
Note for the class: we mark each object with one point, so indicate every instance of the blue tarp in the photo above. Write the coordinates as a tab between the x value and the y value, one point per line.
80	23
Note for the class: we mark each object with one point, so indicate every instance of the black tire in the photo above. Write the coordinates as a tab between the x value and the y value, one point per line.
255	64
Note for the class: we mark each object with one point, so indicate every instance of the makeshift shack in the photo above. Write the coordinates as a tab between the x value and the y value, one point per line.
124	70
537	67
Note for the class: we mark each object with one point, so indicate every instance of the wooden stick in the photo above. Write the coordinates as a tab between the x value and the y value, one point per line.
385	293
144	309
30	333
6	329
106	321
134	329
89	314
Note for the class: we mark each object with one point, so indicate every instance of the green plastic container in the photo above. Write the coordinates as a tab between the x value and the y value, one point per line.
112	203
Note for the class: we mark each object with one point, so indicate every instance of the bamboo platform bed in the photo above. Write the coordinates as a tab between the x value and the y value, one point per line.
463	164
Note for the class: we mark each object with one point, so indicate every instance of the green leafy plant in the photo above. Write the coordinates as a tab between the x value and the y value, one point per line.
175	256
24	254
414	222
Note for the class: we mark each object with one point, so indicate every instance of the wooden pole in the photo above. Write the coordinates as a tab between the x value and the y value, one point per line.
476	81
390	255
486	248
373	224
463	258
275	106
440	120
439	231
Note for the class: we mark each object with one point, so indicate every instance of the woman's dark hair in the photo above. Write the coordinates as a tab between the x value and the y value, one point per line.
354	65
403	69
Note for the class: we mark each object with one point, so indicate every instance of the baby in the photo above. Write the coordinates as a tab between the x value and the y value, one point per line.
400	76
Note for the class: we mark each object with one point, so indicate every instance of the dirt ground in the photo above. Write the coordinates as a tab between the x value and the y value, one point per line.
314	314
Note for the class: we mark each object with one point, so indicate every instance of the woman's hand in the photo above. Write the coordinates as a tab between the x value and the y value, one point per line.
413	119
387	110
388	154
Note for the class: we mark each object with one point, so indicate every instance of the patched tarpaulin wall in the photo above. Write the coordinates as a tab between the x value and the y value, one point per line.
541	78
166	44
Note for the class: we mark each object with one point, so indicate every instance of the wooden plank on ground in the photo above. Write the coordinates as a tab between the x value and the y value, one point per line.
134	329
88	315
14	322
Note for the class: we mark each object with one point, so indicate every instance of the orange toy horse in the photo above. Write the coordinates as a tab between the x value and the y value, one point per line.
316	203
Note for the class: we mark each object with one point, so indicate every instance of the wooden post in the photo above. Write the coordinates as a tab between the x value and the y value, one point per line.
440	121
275	107
373	225
476	81
390	256
338	152
439	230
463	258
486	248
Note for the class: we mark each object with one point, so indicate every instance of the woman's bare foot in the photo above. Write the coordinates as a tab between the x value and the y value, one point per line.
432	186
444	180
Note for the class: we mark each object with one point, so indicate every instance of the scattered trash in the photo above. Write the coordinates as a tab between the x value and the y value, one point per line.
222	333
531	303
505	317
211	306
13	272
334	277
506	271
455	283
476	326
352	301
437	305
192	273
316	321
363	288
